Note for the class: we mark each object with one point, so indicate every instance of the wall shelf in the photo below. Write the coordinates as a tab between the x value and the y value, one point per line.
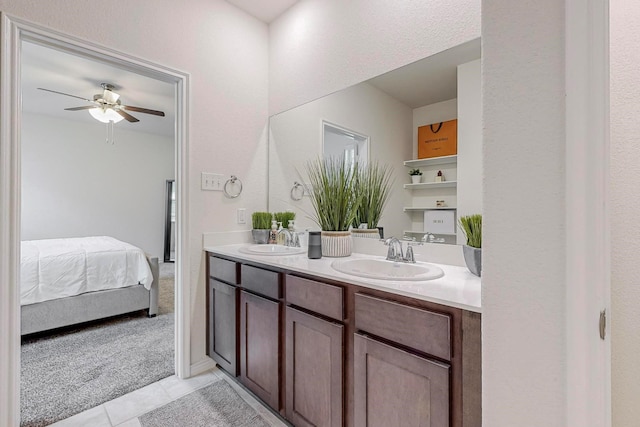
433	161
428	185
428	208
424	232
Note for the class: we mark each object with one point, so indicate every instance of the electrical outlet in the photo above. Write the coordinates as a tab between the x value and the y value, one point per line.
212	181
242	216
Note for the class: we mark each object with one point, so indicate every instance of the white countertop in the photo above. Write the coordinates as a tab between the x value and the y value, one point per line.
457	288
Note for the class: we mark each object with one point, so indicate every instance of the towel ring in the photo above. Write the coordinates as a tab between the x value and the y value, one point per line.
232	181
297	192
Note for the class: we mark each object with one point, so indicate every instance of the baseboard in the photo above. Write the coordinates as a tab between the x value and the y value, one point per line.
204	365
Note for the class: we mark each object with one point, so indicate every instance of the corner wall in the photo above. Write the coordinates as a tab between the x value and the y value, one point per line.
625	207
524	366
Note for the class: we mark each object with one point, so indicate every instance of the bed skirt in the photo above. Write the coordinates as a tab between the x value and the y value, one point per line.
90	306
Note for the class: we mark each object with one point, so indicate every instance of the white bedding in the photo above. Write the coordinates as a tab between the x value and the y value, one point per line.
57	268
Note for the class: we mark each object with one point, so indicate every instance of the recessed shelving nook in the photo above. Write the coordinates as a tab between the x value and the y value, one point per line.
426	194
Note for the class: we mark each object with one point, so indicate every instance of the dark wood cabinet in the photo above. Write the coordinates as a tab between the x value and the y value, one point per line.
222	328
314	370
260	347
340	354
393	387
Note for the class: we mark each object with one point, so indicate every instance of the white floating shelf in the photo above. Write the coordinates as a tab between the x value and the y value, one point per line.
427	185
424	232
444	160
428	208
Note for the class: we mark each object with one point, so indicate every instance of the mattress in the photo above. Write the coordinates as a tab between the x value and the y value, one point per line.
58	268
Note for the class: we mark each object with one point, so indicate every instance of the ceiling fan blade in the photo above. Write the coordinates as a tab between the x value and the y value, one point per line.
88	107
127	116
143	110
65	94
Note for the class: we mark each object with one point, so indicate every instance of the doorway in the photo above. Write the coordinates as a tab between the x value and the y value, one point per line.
15	32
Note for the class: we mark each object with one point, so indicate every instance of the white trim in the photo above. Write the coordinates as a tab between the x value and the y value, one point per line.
9	227
204	365
588	386
12	32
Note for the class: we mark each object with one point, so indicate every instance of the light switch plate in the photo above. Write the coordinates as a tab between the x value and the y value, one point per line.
242	216
212	181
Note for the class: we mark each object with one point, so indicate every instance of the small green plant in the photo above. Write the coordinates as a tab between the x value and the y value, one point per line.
333	197
414	172
373	185
471	226
284	218
261	220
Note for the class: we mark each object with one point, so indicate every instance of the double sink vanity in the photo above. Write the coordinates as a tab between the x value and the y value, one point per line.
355	341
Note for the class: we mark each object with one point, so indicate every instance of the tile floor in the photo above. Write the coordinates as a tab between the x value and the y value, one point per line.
125	410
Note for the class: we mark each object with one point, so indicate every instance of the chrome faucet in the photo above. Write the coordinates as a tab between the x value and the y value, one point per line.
290	238
395	249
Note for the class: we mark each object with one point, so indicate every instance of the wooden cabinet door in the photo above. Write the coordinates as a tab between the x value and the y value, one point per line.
395	388
259	347
314	361
222	326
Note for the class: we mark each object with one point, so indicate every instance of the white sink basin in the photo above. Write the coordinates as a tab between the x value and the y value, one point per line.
272	250
388	270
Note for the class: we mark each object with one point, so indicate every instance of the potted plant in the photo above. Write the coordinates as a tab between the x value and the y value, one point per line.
416	176
472	228
373	185
261	222
334	202
284	218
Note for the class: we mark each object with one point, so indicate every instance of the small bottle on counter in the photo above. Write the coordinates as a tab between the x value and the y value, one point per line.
314	250
273	234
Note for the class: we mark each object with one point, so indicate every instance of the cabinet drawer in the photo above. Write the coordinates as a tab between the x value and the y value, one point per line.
413	327
263	282
223	269
318	297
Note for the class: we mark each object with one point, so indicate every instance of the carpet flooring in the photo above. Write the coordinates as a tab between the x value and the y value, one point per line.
65	373
215	405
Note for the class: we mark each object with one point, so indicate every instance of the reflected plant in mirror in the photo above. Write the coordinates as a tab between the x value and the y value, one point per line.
373	185
333	197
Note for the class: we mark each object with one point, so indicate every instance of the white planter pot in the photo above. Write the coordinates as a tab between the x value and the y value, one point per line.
336	243
369	233
415	179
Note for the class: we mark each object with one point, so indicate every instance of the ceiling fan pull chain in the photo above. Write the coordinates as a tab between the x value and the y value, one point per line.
110	133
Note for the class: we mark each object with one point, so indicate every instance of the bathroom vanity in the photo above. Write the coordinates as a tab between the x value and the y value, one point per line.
323	348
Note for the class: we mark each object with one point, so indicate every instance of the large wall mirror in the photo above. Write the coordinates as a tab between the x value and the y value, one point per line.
378	120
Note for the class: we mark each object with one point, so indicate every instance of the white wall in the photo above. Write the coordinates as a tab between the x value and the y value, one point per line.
74	184
296	137
226	53
625	207
320	46
469	141
524	367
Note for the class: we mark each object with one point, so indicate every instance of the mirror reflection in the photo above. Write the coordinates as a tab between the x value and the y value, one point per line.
379	120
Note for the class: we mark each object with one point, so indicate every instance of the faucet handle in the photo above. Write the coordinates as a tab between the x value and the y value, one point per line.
409	254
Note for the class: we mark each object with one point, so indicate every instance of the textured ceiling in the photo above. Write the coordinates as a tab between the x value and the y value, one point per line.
264	10
52	69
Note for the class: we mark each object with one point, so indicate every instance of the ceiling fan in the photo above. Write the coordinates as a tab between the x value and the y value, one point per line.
107	107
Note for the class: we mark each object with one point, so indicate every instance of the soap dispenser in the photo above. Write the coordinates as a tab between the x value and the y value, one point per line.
273	234
280	237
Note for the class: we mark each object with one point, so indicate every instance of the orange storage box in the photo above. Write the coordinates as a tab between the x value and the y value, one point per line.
438	139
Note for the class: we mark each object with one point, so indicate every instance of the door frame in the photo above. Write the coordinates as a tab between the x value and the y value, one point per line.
588	247
12	32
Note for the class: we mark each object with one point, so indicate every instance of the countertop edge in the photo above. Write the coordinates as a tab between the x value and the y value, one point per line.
285	263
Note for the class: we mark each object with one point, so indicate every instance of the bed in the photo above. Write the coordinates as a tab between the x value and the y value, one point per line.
70	281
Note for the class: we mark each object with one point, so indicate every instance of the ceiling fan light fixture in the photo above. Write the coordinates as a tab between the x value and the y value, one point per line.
105	115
